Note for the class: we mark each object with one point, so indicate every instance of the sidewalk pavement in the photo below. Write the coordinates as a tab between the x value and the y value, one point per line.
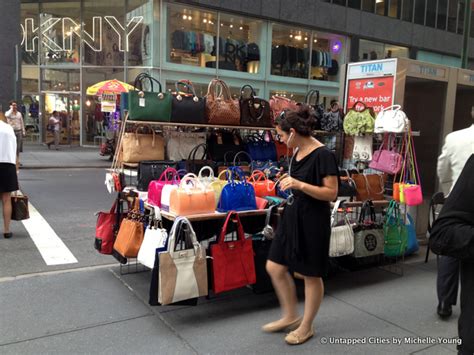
38	156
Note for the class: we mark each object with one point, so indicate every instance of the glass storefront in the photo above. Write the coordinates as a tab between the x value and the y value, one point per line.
370	50
69	46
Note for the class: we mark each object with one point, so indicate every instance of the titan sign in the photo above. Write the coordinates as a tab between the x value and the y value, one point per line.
48	32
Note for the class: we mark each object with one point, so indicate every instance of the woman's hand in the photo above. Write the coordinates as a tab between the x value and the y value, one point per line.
290	183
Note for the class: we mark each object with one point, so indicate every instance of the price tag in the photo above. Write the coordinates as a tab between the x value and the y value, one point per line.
141	102
219	139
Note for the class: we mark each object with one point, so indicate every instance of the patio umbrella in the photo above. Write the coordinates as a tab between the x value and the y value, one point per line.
113	85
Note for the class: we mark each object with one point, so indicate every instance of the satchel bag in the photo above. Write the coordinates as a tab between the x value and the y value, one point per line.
233	264
138	147
193	165
168	177
254	111
391	119
221	109
261	184
316	106
180	144
261	149
395	232
369	186
182	273
155	240
192	197
149	170
148	105
279	104
130	235
385	160
360	119
362	148
342	236
368	234
20	210
237	195
187	107
106	228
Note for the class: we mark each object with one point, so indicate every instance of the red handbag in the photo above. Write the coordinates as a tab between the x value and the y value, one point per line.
104	229
262	185
232	261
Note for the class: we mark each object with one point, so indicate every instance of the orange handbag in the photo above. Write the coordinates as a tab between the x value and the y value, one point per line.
131	233
192	197
261	184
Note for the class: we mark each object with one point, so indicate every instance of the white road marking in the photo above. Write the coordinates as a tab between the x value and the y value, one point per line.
50	246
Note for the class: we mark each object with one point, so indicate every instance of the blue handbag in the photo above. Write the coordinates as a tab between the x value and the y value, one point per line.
261	149
412	245
237	195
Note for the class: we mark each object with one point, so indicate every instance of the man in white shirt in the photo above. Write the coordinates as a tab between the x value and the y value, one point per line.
15	119
55	126
8	176
458	147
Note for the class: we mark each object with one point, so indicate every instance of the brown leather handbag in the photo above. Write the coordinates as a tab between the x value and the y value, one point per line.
254	111
221	109
20	209
369	186
279	104
131	233
138	147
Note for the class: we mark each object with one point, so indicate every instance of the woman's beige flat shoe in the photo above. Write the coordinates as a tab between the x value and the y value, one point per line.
295	339
279	326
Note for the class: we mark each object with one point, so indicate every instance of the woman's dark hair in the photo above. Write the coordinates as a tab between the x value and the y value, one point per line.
303	120
54	113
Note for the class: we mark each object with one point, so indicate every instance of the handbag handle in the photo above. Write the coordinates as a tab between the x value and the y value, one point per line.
206	168
242	91
359	103
192	153
190	234
139	82
236	171
309	96
222	86
197	184
174	174
240	230
152	132
334	212
259	175
234	163
187	84
392	108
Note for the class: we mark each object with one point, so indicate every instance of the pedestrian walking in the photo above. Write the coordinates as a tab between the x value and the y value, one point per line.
301	243
453	235
15	119
457	149
54	126
8	175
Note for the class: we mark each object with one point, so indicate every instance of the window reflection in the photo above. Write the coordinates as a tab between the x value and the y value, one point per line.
327	55
370	50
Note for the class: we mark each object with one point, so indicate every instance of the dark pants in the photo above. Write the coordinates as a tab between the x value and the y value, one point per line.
448	279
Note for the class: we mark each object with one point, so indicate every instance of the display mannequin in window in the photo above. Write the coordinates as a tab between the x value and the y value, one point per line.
301	243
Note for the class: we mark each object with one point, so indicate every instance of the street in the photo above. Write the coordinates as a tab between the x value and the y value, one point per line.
89	307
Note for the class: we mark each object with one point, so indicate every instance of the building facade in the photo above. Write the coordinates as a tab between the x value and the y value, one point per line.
278	47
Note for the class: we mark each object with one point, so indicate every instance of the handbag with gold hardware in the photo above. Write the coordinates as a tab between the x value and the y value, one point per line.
221	109
186	106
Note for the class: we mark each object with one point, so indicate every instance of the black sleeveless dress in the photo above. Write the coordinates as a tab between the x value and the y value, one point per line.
302	238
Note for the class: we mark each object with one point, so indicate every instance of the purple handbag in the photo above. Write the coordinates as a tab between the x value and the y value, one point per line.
388	161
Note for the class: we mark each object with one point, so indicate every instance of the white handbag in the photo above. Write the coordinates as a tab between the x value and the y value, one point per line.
180	144
362	148
342	237
166	196
183	272
391	120
154	241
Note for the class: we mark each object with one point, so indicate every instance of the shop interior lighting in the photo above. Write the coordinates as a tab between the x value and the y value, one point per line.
241	28
204	20
379	1
306	38
291	36
231	26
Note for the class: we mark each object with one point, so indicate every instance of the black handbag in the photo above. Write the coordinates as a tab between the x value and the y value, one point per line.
186	106
20	209
318	108
149	170
254	111
193	165
347	186
223	144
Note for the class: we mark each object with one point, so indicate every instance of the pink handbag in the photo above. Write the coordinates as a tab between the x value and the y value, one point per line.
156	186
388	161
279	104
413	193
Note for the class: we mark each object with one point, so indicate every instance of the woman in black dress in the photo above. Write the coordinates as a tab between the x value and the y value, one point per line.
301	243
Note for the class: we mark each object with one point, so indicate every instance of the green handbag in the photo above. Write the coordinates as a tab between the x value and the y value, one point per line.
359	121
148	105
395	232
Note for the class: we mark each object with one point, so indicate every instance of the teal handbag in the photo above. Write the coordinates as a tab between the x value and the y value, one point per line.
395	232
148	105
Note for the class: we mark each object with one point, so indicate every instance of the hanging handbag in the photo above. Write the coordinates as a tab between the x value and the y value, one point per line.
186	106
261	149
412	193
224	144
412	241
232	263
395	232
391	119
261	184
182	272
148	105
138	147
332	121
342	236
362	148
168	177
254	111
149	170
221	109
180	144
130	235
368	234
155	240
237	195
360	119
347	187
317	107
106	228
192	197
369	186
193	165
20	210
385	160
279	104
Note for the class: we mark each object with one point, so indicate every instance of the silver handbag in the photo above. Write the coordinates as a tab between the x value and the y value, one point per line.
342	237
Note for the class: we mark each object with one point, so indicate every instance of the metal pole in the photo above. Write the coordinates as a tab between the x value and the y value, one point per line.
466	33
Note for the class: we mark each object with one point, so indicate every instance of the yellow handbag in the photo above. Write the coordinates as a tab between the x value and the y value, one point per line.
192	197
216	184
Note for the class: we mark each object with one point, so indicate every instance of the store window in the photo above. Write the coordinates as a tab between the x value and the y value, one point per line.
381	7
407	12
191	37
327	54
140	21
240	44
30	39
354	4
431	13
61	34
442	14
452	15
368	5
106	47
461	18
395	8
60	80
419	17
370	50
290	51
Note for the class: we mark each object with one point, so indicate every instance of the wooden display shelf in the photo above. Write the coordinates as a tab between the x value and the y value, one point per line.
211	216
